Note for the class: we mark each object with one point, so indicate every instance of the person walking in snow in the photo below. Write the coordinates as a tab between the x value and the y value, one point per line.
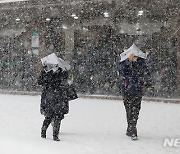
135	76
54	99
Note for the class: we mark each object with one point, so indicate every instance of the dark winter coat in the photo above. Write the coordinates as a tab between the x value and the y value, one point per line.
55	93
134	76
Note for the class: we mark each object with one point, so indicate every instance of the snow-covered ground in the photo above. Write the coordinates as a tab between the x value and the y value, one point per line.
8	1
92	127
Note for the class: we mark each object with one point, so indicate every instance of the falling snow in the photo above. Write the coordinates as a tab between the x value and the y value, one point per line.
90	35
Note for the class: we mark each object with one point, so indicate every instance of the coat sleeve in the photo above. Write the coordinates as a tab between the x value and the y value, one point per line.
122	69
123	77
147	76
45	78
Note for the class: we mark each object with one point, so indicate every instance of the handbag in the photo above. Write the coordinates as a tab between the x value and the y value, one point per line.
71	93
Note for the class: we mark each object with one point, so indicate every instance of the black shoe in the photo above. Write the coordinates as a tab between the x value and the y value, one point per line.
43	134
55	138
128	133
134	137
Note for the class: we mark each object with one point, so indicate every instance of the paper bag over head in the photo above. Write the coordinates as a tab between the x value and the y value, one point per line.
132	50
52	59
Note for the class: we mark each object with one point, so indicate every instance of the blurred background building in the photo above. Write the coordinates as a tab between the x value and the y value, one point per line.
90	34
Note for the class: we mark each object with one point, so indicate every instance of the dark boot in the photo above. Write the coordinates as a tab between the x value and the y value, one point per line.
134	134
55	135
56	128
56	138
43	133
129	131
134	137
45	125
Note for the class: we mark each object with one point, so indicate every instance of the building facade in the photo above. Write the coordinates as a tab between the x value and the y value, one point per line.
90	35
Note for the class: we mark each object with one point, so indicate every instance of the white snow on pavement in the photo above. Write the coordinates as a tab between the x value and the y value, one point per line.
8	1
93	126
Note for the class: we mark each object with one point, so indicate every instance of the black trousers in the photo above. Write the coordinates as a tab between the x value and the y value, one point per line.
56	124
132	105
